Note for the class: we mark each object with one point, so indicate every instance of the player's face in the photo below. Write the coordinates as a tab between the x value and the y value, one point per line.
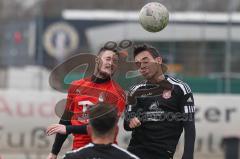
108	63
148	66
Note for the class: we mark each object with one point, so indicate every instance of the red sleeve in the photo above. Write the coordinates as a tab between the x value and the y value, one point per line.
121	105
121	99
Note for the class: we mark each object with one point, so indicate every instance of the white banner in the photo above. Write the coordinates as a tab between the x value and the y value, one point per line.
24	115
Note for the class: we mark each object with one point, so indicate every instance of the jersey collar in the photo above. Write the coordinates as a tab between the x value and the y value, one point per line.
99	80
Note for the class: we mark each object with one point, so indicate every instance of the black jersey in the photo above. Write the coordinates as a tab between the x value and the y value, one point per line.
100	151
162	111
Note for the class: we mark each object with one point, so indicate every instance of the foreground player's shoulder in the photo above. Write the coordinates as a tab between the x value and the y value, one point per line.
86	150
184	87
122	153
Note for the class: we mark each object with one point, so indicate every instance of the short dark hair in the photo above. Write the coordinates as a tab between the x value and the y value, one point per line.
102	49
145	47
103	118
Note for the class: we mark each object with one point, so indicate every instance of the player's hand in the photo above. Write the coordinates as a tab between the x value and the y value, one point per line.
52	156
134	122
56	128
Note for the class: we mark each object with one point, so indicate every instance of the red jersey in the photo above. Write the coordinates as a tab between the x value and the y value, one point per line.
87	92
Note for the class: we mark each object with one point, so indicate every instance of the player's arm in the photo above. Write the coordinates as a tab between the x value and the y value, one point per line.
188	110
64	121
130	117
76	129
127	118
60	138
66	128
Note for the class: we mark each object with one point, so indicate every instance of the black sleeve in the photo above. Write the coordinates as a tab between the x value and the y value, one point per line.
60	138
76	129
130	112
188	110
127	117
131	107
189	139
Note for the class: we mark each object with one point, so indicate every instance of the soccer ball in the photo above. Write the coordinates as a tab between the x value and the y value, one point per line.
154	17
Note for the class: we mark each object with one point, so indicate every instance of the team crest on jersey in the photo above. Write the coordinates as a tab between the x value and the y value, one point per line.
101	97
154	106
78	91
167	94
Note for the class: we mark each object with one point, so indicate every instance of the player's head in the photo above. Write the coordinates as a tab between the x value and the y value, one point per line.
103	120
148	61
106	62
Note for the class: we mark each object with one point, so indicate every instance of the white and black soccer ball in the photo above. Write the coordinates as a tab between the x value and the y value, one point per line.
154	17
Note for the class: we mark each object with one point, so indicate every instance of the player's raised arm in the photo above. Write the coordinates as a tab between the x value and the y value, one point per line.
131	120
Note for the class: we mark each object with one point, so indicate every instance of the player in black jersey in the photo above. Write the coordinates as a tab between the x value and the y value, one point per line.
158	110
103	126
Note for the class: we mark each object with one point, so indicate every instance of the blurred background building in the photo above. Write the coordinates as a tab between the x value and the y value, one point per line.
200	44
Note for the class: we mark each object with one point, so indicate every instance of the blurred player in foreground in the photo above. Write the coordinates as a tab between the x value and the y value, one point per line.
103	126
82	95
158	110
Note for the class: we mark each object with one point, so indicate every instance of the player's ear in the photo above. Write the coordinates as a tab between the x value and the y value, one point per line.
97	60
159	60
89	130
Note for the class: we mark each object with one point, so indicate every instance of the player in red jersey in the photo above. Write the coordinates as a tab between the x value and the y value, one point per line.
82	95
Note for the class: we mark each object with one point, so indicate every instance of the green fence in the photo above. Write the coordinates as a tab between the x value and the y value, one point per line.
208	85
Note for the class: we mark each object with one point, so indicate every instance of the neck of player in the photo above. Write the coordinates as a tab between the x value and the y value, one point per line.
157	78
106	139
99	75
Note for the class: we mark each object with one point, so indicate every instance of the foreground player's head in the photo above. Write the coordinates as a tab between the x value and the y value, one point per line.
103	120
106	62
148	61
